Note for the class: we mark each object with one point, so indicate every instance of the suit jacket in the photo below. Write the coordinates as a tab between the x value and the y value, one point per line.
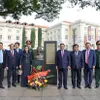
19	55
91	58
4	58
62	62
24	59
11	60
76	62
97	59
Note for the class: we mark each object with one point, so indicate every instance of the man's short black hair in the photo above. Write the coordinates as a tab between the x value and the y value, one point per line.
62	44
28	41
97	42
1	43
87	43
75	45
17	43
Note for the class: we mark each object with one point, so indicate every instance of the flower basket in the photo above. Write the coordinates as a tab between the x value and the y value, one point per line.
38	77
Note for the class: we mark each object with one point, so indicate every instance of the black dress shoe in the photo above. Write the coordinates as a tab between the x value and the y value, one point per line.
9	86
14	85
89	87
2	87
59	87
73	87
65	88
86	86
97	87
79	87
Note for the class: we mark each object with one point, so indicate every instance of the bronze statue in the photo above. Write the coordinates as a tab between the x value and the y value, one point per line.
39	55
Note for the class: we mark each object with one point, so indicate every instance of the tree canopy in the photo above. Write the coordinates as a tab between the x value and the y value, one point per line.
85	3
46	9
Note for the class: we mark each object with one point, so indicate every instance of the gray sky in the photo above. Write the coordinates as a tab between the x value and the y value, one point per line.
68	14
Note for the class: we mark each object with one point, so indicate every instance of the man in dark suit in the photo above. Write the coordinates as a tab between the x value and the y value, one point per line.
89	63
2	64
19	51
11	65
77	63
62	65
97	68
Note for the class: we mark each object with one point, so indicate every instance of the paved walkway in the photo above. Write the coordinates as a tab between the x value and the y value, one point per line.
49	93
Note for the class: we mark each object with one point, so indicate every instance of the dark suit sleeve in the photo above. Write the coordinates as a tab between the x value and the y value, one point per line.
17	63
31	58
82	59
68	58
94	58
21	59
20	55
32	52
6	59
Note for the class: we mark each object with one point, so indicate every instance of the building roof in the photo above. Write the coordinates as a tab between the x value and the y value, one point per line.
41	26
26	24
60	23
86	22
67	22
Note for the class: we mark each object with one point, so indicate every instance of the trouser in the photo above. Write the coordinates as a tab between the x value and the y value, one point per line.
97	76
18	78
76	75
88	75
62	73
11	73
1	74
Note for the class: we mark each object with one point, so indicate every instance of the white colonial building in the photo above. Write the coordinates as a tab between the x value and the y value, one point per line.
84	31
78	32
60	33
65	32
11	32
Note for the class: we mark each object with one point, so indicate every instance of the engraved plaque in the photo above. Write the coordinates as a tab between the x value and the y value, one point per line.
50	53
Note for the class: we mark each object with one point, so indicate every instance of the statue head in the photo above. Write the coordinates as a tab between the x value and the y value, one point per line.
39	50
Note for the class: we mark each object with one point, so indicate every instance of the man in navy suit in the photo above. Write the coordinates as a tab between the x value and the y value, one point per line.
11	65
89	64
77	63
19	51
62	65
2	64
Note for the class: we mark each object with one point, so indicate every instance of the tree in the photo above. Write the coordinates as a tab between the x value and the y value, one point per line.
46	9
85	3
32	38
39	37
23	37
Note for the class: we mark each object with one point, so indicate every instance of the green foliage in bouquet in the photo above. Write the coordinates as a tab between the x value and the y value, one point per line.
39	67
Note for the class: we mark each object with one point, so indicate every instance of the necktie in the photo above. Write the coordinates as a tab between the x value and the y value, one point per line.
87	57
62	53
12	52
